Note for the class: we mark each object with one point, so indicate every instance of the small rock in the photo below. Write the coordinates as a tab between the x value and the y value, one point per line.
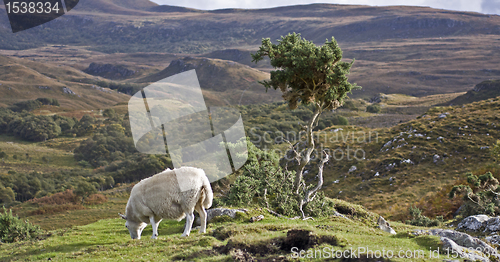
257	218
384	225
473	223
352	169
217	212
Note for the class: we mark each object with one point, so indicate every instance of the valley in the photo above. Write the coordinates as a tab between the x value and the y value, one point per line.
426	115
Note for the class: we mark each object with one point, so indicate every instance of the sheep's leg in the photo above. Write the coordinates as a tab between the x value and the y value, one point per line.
189	224
203	217
154	224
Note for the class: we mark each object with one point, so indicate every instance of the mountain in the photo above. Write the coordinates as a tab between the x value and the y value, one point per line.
482	91
223	82
122	7
23	79
416	51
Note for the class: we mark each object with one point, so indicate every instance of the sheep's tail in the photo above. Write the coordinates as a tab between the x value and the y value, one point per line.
209	195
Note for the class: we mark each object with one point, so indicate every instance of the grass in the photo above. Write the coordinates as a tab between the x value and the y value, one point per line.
56	158
108	239
460	140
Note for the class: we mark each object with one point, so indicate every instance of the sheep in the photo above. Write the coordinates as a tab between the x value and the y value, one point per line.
171	194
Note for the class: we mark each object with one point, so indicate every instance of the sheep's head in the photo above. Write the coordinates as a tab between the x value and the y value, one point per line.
134	228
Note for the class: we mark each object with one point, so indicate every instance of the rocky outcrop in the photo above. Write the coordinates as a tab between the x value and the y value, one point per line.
464	245
479	223
462	252
109	71
473	223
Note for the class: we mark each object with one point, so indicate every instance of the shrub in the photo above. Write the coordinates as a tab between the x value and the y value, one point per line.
420	220
373	109
28	105
48	101
264	183
34	128
495	151
96	199
61	198
13	229
479	195
350	105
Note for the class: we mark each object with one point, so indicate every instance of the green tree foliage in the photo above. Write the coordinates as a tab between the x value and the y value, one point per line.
7	195
13	229
109	112
34	128
28	105
85	126
65	123
495	151
137	167
25	186
373	109
349	104
307	74
84	189
101	149
417	219
48	101
480	195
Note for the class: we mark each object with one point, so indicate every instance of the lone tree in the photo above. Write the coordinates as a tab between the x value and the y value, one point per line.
307	74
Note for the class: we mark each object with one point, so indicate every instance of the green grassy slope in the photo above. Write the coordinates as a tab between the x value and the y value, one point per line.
264	240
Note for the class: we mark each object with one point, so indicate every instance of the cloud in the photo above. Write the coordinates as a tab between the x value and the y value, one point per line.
490	6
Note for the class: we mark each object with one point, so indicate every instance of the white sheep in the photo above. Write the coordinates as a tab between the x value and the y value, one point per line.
171	194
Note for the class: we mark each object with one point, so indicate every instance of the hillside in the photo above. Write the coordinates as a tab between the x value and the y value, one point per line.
24	80
482	91
226	239
240	56
223	82
396	167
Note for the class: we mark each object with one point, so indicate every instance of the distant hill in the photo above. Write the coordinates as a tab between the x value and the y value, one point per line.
482	91
128	7
26	80
417	51
223	82
241	56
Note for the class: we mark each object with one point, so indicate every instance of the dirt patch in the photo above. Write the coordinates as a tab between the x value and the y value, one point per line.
276	249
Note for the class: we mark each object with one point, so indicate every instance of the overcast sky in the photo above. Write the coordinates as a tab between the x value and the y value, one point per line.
483	6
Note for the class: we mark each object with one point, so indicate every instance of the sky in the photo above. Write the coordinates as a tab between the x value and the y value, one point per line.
482	6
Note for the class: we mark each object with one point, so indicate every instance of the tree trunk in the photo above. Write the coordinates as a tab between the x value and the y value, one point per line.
306	158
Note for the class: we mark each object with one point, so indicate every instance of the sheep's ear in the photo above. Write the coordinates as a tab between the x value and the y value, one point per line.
123	216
